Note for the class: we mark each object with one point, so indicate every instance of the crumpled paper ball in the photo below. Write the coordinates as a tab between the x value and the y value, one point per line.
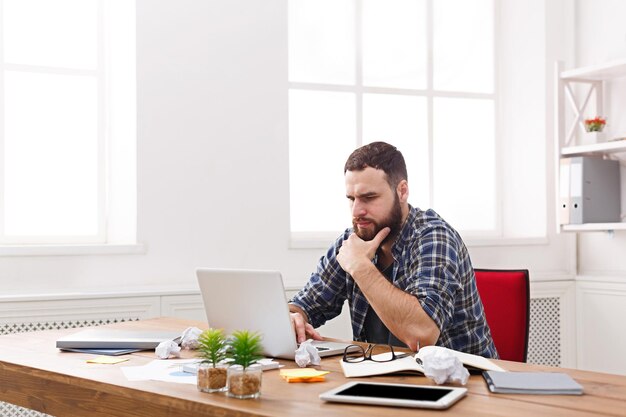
307	354
189	338
442	367
167	348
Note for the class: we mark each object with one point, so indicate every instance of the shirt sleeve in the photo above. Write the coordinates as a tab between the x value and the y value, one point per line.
433	274
323	296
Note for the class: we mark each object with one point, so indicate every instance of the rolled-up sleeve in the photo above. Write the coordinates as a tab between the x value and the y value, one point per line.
323	296
432	275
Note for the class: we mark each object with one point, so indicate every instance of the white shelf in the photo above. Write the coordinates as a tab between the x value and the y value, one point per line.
590	227
596	148
607	71
567	91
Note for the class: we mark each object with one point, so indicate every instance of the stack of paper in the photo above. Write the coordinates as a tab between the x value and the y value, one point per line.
161	370
303	375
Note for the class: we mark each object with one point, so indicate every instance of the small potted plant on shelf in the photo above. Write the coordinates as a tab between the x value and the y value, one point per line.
244	375
212	371
595	125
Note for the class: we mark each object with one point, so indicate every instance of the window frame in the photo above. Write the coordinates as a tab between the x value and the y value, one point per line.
105	240
320	239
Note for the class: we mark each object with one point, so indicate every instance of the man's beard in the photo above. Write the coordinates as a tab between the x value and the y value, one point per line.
393	221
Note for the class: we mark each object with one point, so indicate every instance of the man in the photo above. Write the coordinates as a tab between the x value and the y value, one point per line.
406	273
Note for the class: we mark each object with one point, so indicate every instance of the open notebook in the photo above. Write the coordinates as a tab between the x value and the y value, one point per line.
410	364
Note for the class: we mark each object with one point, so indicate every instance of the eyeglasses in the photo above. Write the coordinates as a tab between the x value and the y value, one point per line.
357	353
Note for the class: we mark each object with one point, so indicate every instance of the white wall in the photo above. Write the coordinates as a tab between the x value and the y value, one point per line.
212	156
212	152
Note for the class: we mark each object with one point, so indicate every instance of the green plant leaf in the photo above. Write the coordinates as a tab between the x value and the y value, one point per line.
245	347
212	346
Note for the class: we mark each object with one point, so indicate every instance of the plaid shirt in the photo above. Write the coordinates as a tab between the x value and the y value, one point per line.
431	262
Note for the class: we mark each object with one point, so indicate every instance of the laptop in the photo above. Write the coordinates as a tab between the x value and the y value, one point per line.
103	338
255	301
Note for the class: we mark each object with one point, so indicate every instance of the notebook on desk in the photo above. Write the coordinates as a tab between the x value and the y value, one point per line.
532	383
255	301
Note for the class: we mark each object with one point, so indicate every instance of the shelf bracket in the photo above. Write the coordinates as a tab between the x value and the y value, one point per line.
578	111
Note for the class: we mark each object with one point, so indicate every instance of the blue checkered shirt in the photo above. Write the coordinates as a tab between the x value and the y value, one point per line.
432	263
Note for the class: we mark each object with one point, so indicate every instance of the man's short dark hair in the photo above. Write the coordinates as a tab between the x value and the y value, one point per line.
379	155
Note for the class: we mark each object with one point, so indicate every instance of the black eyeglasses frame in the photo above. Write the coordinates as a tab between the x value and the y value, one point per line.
362	355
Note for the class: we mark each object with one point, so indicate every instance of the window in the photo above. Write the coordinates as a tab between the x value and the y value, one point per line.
415	73
67	121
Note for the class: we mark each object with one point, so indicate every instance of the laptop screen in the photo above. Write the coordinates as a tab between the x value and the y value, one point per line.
249	300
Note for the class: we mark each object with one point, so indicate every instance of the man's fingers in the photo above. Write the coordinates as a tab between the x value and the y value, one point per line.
380	236
299	326
310	331
303	329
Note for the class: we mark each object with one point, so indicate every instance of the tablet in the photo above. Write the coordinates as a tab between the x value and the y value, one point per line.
398	395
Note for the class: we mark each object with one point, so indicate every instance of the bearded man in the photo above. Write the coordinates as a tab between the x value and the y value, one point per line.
406	273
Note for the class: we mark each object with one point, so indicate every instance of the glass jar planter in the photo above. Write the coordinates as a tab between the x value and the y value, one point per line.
245	382
212	378
594	127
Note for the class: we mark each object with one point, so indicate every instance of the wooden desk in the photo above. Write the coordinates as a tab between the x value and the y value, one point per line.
36	375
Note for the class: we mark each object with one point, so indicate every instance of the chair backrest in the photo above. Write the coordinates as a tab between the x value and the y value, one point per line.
505	295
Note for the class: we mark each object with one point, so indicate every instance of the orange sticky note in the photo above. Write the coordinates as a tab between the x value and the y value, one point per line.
314	379
303	375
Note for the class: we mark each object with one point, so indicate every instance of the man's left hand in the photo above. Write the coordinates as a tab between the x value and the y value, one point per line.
356	252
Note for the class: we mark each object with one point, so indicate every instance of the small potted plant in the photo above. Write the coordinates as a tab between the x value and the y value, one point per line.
212	371
244	375
595	125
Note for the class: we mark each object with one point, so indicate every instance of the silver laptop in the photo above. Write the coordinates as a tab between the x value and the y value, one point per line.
255	301
103	338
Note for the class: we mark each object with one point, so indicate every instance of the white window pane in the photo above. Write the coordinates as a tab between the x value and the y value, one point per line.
51	155
394	43
464	162
121	201
401	121
59	33
322	135
463	45
321	41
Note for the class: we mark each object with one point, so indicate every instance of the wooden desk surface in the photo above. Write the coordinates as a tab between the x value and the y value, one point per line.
36	375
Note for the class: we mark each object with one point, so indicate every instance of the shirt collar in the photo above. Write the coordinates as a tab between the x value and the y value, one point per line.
406	232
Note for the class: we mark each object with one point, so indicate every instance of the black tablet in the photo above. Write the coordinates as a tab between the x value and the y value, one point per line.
398	395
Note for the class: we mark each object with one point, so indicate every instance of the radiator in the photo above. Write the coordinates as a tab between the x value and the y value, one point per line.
544	338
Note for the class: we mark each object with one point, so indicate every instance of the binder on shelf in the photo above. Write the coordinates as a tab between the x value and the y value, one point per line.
576	190
589	190
564	184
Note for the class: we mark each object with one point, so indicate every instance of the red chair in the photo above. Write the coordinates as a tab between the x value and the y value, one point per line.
506	299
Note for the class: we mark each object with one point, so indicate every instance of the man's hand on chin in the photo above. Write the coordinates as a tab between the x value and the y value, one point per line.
356	252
